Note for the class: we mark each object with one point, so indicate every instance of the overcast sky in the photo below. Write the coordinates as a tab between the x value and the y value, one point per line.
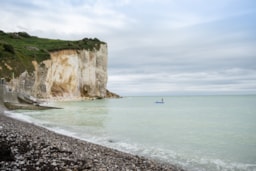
156	47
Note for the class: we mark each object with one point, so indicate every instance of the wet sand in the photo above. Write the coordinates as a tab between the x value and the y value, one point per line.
24	146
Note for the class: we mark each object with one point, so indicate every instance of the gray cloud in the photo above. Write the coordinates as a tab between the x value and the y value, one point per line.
225	81
155	47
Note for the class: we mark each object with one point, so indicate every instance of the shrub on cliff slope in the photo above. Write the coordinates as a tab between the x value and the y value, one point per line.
18	50
9	48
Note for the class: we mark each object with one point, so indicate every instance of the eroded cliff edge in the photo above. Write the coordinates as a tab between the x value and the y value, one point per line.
68	74
54	69
72	73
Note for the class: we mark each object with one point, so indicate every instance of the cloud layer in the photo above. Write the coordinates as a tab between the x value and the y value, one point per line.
155	47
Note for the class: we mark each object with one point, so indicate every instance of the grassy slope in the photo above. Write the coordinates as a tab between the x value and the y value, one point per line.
18	50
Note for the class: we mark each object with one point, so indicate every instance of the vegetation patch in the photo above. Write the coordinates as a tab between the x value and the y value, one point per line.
18	50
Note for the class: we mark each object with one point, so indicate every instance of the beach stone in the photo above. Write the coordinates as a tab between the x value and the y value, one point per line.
24	146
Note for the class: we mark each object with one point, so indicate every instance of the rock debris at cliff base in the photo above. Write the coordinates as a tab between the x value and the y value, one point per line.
24	146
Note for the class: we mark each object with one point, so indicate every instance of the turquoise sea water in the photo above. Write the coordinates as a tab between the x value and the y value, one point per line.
206	133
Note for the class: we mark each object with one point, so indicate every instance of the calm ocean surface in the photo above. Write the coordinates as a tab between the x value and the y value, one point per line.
200	133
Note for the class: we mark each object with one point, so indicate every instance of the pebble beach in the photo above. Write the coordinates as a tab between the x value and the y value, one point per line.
25	146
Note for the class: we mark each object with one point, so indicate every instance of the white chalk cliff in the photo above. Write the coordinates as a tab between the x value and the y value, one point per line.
69	74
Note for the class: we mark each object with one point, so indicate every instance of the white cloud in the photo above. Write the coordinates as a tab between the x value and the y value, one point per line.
154	45
63	19
232	80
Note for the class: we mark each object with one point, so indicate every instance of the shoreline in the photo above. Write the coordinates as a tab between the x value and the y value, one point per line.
27	146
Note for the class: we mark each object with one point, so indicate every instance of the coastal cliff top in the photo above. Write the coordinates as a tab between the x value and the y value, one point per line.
19	49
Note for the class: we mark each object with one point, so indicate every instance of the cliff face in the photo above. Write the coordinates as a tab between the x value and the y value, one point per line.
60	68
67	75
71	74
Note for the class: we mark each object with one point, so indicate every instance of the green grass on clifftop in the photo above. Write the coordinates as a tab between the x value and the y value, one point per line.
18	50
